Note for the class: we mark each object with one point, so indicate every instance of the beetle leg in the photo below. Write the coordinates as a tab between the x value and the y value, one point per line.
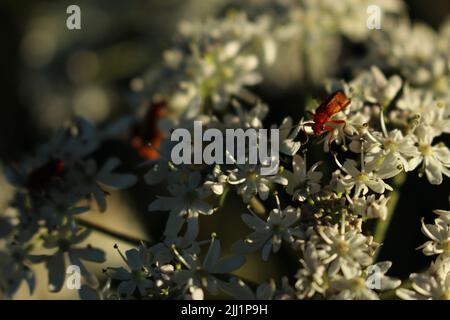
339	122
330	129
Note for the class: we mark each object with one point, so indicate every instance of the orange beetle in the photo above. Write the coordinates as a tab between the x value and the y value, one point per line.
147	136
338	101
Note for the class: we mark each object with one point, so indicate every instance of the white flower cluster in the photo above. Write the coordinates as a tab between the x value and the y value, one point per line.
419	52
54	186
434	283
214	61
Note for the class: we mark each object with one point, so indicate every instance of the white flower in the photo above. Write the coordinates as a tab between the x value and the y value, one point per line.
439	233
137	277
356	123
360	286
159	168
415	101
15	268
310	276
344	250
269	234
246	119
203	274
356	126
444	215
194	293
250	182
218	181
302	183
337	135
314	31
287	135
368	177
59	207
371	208
375	88
218	65
413	49
434	284
185	204
434	117
89	180
351	289
432	112
435	159
394	144
73	143
64	240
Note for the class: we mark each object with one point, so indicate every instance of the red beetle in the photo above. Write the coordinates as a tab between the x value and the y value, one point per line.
338	101
146	136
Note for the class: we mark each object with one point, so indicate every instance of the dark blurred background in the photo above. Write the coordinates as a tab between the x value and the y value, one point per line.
50	74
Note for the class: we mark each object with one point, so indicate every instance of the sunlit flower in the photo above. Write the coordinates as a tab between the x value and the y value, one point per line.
397	146
366	178
362	286
344	250
375	88
434	284
310	277
435	159
371	207
302	183
439	233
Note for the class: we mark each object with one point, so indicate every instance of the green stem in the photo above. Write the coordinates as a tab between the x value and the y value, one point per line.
257	206
109	232
223	196
383	225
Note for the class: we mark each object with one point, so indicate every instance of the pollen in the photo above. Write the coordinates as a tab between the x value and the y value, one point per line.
390	144
362	177
425	149
342	247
